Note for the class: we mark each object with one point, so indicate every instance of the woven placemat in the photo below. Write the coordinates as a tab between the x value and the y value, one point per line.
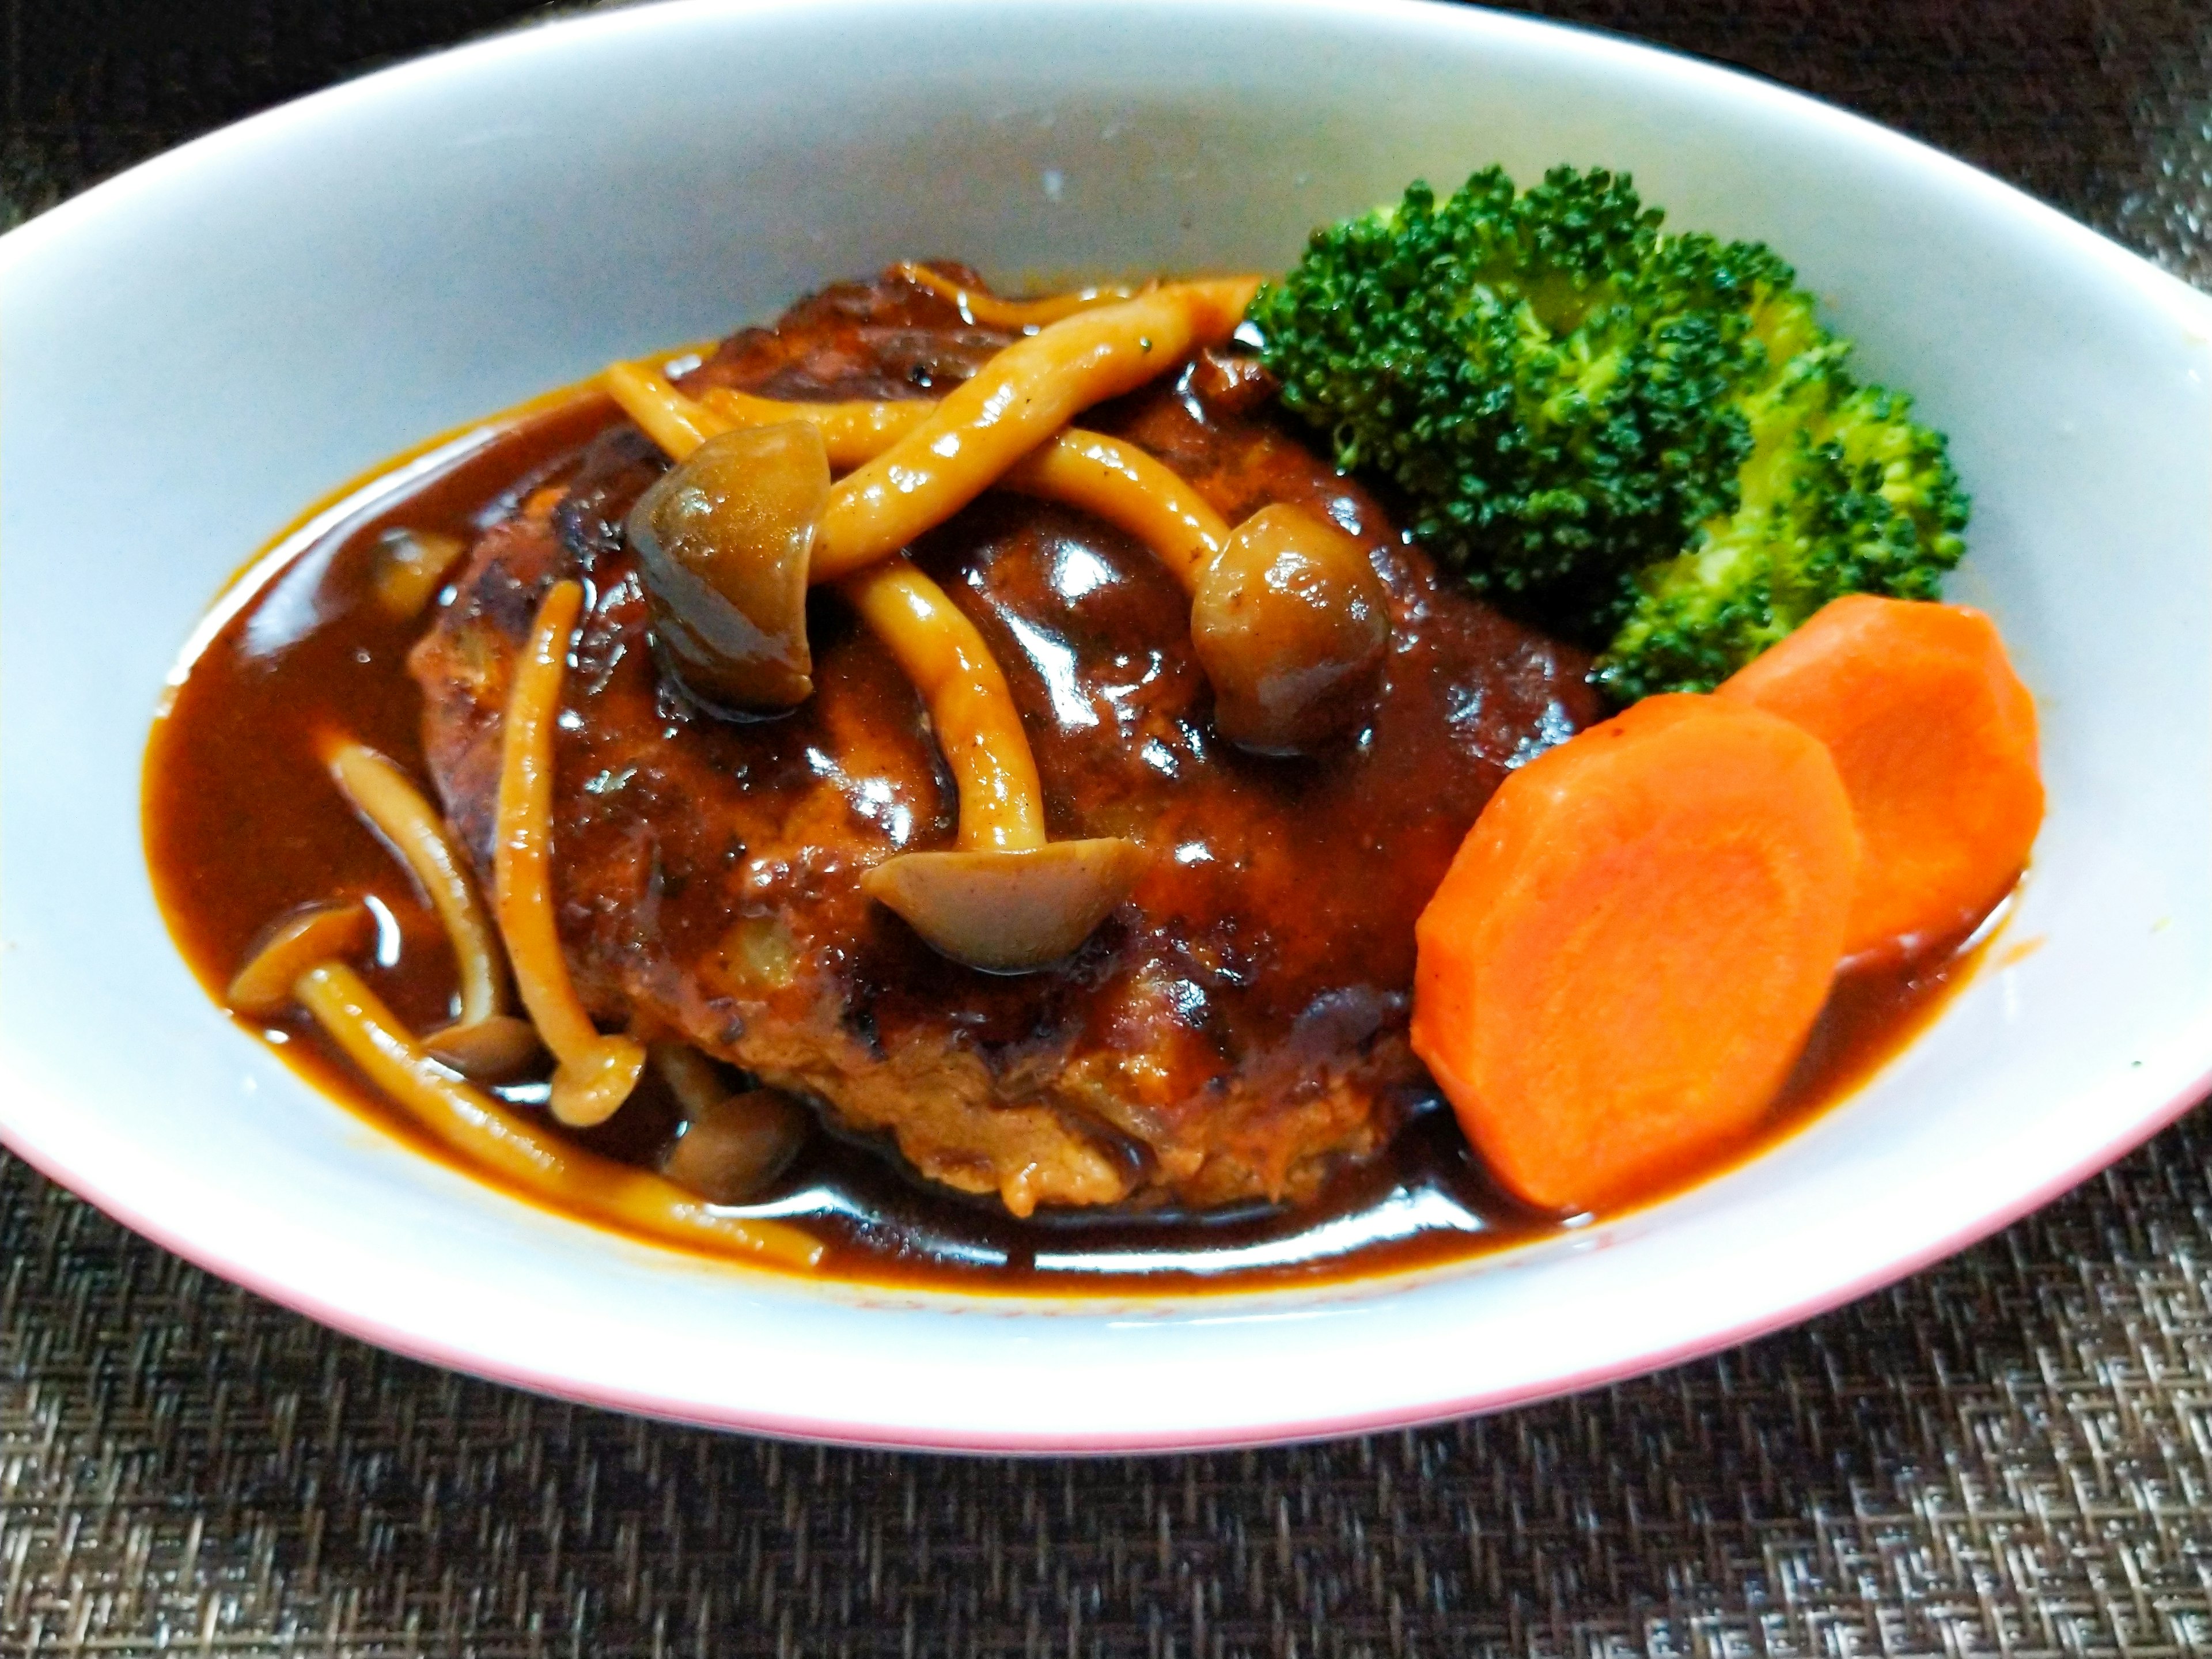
2011	1453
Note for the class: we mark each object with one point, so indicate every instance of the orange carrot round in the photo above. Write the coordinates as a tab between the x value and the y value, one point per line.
1934	738
1631	946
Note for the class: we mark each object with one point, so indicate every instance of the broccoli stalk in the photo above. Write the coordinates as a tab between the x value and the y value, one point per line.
1643	441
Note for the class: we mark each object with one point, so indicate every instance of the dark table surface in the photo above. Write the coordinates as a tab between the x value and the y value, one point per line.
2011	1453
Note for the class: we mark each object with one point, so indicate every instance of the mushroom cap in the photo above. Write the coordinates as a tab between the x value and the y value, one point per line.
1007	911
723	541
336	929
497	1049
409	566
1291	625
734	1146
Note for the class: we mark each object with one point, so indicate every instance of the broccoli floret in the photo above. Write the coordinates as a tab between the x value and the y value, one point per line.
1643	441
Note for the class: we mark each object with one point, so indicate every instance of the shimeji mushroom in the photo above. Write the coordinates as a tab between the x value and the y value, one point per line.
1291	625
335	927
733	1142
1288	618
723	541
506	1143
1028	315
410	567
1015	402
484	1041
594	1072
1005	900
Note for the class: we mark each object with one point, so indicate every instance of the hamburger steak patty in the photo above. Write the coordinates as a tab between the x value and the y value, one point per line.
1235	1031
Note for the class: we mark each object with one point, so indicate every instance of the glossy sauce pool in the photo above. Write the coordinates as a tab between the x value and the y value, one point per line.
242	825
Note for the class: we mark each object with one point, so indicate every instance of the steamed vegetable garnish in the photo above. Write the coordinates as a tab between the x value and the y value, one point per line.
1632	943
1935	737
1642	439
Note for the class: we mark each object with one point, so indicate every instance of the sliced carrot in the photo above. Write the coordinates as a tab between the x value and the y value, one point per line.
1935	737
1631	946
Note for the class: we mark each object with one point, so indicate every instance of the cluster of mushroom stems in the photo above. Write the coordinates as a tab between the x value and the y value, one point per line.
306	959
732	1142
1288	620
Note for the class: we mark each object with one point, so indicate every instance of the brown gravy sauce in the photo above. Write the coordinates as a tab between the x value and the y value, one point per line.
242	825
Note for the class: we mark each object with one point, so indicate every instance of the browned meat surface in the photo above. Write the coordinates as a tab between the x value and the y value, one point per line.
1236	1030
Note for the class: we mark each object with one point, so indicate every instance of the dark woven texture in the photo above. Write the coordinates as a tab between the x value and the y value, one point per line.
2011	1453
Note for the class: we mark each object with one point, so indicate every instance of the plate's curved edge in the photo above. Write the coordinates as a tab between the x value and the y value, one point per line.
621	19
667	1409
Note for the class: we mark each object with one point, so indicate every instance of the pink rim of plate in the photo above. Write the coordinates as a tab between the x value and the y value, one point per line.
345	1320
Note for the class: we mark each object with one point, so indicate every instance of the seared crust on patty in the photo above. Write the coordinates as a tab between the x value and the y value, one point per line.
1235	1031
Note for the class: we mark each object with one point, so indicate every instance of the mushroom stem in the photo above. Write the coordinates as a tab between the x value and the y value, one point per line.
854	432
1130	491
506	1145
1014	403
1004	900
338	928
1113	480
594	1073
978	306
1001	803
384	795
1290	626
672	420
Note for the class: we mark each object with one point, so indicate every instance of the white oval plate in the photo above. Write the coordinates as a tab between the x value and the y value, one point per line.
197	349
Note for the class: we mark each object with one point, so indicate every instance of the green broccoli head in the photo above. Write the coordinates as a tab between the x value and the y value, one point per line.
1643	441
